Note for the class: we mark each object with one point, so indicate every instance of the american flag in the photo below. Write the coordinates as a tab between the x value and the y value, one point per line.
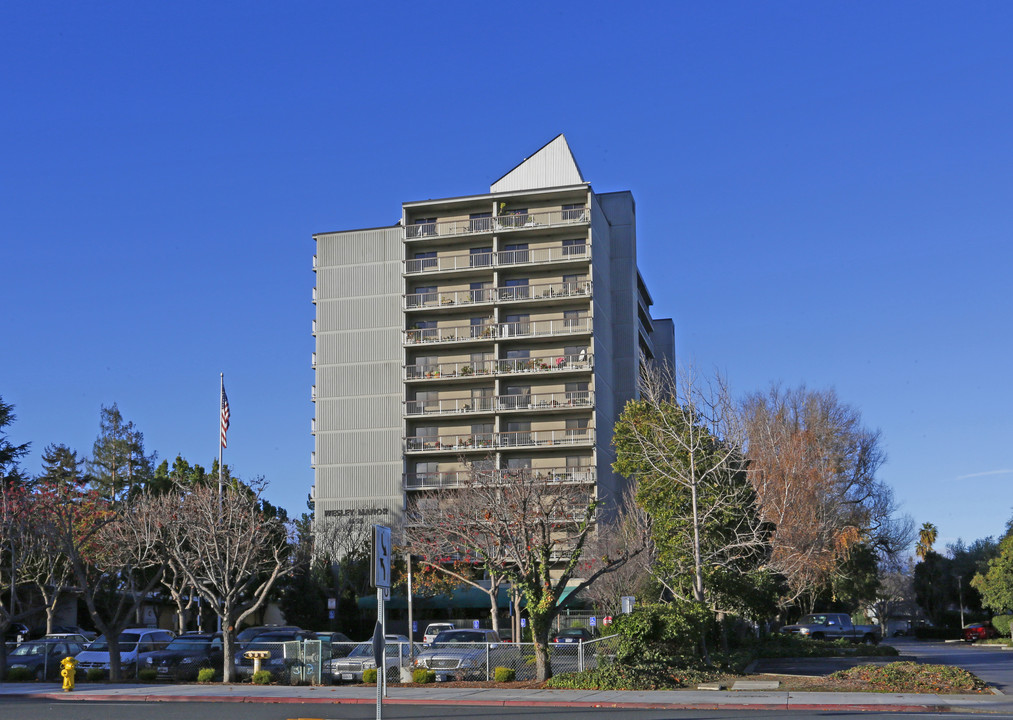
225	415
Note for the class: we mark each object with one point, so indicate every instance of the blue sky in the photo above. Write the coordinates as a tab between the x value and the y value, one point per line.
823	195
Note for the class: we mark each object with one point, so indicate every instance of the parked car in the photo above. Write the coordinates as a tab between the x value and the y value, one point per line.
16	633
136	644
463	654
68	637
39	631
284	646
42	657
183	658
980	631
833	626
338	644
572	635
397	653
247	635
434	629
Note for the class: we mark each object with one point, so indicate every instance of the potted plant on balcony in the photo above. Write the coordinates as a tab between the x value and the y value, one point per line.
466	370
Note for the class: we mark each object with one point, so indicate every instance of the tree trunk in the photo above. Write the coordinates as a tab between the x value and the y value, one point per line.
228	645
540	626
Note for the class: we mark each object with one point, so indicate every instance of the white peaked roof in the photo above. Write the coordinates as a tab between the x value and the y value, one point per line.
552	165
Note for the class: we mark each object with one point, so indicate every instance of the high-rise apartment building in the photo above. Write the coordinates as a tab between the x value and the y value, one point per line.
489	332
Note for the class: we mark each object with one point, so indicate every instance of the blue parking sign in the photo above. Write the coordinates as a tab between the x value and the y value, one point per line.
524	622
594	621
474	624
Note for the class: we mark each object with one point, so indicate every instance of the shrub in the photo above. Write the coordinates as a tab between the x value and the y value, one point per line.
147	674
20	674
914	677
1002	623
262	677
616	676
662	632
504	674
423	676
96	675
369	676
205	675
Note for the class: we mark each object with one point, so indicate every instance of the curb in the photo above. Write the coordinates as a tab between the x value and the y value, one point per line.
814	707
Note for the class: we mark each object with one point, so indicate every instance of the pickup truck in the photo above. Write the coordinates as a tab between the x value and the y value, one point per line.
833	626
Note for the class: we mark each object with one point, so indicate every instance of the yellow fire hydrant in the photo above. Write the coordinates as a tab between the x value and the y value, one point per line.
68	664
257	656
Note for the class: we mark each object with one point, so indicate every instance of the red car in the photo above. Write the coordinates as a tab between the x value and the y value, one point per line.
980	631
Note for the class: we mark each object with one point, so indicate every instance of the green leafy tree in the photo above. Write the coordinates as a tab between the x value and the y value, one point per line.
118	463
996	583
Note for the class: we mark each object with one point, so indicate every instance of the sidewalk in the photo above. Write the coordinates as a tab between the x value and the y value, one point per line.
492	697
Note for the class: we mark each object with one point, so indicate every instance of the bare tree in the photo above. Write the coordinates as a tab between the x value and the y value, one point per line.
526	527
455	534
113	555
813	466
630	526
227	549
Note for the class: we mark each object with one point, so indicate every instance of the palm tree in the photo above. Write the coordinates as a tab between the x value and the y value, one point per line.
926	539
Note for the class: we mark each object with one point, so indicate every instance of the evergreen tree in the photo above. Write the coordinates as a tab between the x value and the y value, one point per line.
118	464
61	466
10	454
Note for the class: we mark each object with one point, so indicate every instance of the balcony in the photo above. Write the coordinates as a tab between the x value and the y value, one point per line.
501	403
486	442
504	223
485	296
464	369
461	478
505	258
492	331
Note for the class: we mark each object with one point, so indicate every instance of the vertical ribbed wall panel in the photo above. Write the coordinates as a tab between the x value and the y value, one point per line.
359	430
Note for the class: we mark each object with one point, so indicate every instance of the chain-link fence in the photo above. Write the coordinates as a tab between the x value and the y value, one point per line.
478	661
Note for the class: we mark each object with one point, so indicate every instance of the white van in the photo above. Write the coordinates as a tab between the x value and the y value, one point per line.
433	630
136	644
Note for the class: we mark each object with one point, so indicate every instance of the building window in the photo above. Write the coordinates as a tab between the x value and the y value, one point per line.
576	428
517	217
425	261
482	434
517	433
521	463
426	401
480	327
577	393
517	325
574	248
515	289
482	363
574	284
480	257
514	254
480	222
481	399
575	319
423	296
574	213
481	292
517	397
424	227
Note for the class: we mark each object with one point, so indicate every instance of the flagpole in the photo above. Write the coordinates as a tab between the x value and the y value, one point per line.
221	405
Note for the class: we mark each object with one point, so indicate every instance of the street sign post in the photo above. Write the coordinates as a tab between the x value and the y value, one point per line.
379	577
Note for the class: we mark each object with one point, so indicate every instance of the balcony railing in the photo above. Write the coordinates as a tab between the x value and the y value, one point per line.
492	441
547	363
503	223
511	258
500	403
520	329
461	478
544	291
